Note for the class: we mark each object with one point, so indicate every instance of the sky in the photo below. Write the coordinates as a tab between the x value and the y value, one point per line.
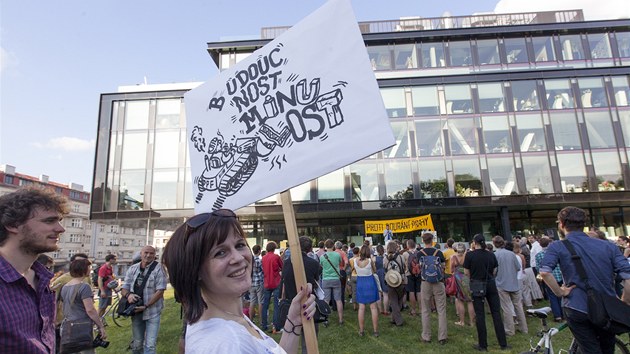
58	57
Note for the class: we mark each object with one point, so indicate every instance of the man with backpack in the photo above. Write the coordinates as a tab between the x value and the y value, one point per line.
105	275
432	273
413	277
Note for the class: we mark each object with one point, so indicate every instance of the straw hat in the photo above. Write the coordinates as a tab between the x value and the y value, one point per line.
393	278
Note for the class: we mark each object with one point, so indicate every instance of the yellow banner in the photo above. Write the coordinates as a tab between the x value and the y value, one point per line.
423	222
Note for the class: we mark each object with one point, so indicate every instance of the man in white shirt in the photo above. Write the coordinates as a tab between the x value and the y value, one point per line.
536	247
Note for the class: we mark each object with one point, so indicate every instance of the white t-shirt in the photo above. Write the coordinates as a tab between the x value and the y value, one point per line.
220	336
536	248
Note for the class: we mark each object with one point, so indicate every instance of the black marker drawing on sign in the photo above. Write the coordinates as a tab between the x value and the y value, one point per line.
269	120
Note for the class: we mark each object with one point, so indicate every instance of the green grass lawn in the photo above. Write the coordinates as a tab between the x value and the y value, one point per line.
345	338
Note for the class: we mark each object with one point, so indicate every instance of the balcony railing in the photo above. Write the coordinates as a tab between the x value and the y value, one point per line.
436	23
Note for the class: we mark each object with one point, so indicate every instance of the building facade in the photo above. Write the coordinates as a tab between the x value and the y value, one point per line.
500	121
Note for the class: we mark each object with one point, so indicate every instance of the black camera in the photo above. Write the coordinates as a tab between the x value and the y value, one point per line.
99	342
130	310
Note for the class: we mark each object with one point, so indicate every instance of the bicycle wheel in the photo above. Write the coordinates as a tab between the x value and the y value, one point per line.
120	321
620	347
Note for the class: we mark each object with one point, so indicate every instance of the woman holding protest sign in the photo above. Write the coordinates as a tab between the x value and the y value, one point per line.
210	267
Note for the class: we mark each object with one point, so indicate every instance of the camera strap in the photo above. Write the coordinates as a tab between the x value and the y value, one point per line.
145	277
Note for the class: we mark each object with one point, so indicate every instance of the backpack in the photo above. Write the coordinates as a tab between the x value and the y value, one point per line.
393	265
95	279
432	271
413	264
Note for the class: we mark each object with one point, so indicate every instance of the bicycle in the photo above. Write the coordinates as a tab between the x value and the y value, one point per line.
545	345
120	321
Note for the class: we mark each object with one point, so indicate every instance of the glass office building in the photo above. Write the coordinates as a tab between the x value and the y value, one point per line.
500	121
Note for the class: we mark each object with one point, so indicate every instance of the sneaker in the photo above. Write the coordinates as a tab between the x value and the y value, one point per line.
442	341
479	349
507	347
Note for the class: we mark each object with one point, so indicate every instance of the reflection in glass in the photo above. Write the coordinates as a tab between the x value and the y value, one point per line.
405	56
624	119
137	115
467	177
623	43
491	97
607	170
488	50
463	136
131	193
166	149
621	90
433	55
460	53
525	95
565	131
502	175
572	172
600	48
516	50
429	137
164	189
398	182
394	100
301	193
559	94
496	134
572	47
530	132
599	128
134	150
330	187
432	178
458	99
401	149
543	49
168	113
425	100
380	57
537	174
364	181
592	92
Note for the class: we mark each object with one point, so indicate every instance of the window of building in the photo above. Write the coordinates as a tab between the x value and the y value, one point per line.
572	172
113	228
531	134
543	49
425	100
76	208
467	177
164	189
502	175
380	57
134	150
25	182
55	255
432	178
565	131
401	135
75	238
496	134
8	179
458	99
429	137
364	179
623	44
599	128
537	172
624	119
516	50
598	43
491	97
607	170
72	253
405	56
76	222
330	187
488	51
463	135
460	53
101	241
99	254
166	149
398	182
394	100
559	94
433	55
572	47
131	195
137	115
167	113
101	228
525	95
592	92
621	90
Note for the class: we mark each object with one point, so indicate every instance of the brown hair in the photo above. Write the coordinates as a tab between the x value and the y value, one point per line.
572	218
80	268
186	252
365	253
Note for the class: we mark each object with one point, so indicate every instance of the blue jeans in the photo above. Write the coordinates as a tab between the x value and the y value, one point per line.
554	301
268	293
144	334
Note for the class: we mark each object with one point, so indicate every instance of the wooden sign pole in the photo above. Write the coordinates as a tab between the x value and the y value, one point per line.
298	266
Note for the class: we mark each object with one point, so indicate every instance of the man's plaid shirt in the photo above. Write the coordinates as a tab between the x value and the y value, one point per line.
257	277
556	271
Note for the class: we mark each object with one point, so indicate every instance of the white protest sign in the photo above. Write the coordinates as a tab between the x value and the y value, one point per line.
304	105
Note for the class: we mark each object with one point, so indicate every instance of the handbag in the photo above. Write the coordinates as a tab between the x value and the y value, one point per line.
322	310
451	286
75	335
478	288
604	311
